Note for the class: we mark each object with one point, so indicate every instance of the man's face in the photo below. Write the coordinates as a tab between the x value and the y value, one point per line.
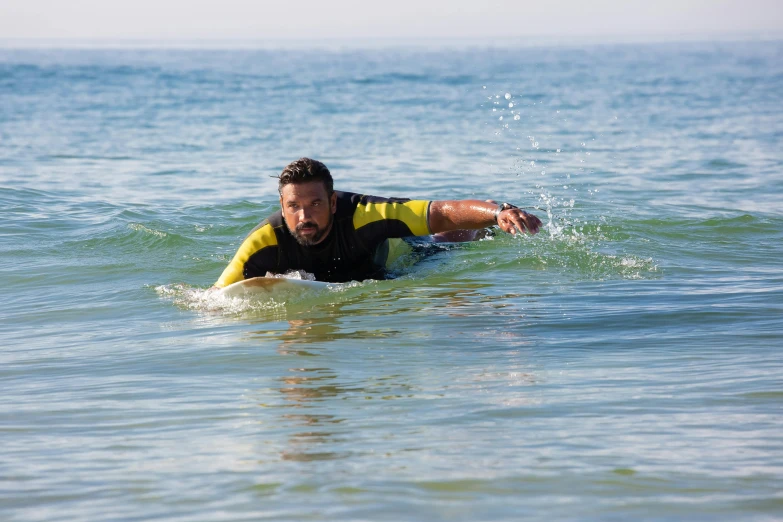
308	211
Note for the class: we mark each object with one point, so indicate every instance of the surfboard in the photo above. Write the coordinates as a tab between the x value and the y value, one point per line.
270	286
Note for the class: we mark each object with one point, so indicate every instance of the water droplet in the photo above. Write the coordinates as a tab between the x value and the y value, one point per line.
500	118
558	150
510	104
483	86
583	144
516	117
508	96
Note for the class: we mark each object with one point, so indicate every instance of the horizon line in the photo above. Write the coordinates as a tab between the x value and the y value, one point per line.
389	42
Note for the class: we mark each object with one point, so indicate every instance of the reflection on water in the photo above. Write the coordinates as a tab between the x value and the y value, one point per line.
322	320
325	395
309	392
302	390
320	329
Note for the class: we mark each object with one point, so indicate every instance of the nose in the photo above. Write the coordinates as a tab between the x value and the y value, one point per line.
303	215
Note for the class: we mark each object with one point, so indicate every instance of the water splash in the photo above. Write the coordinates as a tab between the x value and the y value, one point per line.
208	300
212	301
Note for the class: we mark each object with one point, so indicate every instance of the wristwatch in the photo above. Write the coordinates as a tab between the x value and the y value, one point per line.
501	208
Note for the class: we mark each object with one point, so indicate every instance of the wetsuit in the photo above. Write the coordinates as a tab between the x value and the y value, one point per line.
356	247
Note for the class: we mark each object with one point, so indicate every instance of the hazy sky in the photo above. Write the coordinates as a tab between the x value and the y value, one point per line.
390	19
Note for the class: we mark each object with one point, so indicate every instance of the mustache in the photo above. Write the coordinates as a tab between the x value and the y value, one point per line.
308	224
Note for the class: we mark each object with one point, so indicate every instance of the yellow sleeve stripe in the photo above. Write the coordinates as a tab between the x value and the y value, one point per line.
412	213
261	238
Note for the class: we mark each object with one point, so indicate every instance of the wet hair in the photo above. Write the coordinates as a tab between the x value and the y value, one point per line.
305	170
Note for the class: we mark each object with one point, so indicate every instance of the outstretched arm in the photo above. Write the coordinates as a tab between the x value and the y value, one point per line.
472	214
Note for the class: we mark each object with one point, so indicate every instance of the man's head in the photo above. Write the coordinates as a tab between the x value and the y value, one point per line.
308	200
305	170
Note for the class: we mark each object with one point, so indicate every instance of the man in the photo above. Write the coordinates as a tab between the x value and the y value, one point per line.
342	236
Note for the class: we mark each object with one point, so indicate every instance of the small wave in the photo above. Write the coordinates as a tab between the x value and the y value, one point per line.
389	78
633	267
141	228
599	266
744	225
723	164
577	247
587	264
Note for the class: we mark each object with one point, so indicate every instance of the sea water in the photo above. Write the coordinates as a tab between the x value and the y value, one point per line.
625	363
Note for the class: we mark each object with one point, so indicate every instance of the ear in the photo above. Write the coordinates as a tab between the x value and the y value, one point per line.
333	202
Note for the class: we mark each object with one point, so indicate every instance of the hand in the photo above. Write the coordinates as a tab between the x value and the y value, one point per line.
514	219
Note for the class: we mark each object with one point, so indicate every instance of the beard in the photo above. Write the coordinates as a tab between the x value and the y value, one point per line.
315	237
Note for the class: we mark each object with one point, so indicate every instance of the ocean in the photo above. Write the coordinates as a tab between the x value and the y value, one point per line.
625	363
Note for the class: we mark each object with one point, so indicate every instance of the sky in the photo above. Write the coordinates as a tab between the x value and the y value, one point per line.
401	20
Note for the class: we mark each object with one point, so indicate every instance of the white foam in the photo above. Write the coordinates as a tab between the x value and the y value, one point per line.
210	300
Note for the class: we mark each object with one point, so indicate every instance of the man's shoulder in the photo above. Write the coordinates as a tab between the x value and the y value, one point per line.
267	231
349	203
275	220
355	199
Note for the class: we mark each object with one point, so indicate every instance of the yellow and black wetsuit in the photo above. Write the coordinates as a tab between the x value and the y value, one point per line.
356	248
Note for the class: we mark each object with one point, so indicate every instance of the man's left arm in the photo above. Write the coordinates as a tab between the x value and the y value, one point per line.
445	216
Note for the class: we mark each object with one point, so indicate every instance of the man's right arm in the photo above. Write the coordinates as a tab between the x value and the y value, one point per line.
261	245
446	216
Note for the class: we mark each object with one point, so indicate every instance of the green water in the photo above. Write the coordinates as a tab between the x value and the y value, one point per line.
622	364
